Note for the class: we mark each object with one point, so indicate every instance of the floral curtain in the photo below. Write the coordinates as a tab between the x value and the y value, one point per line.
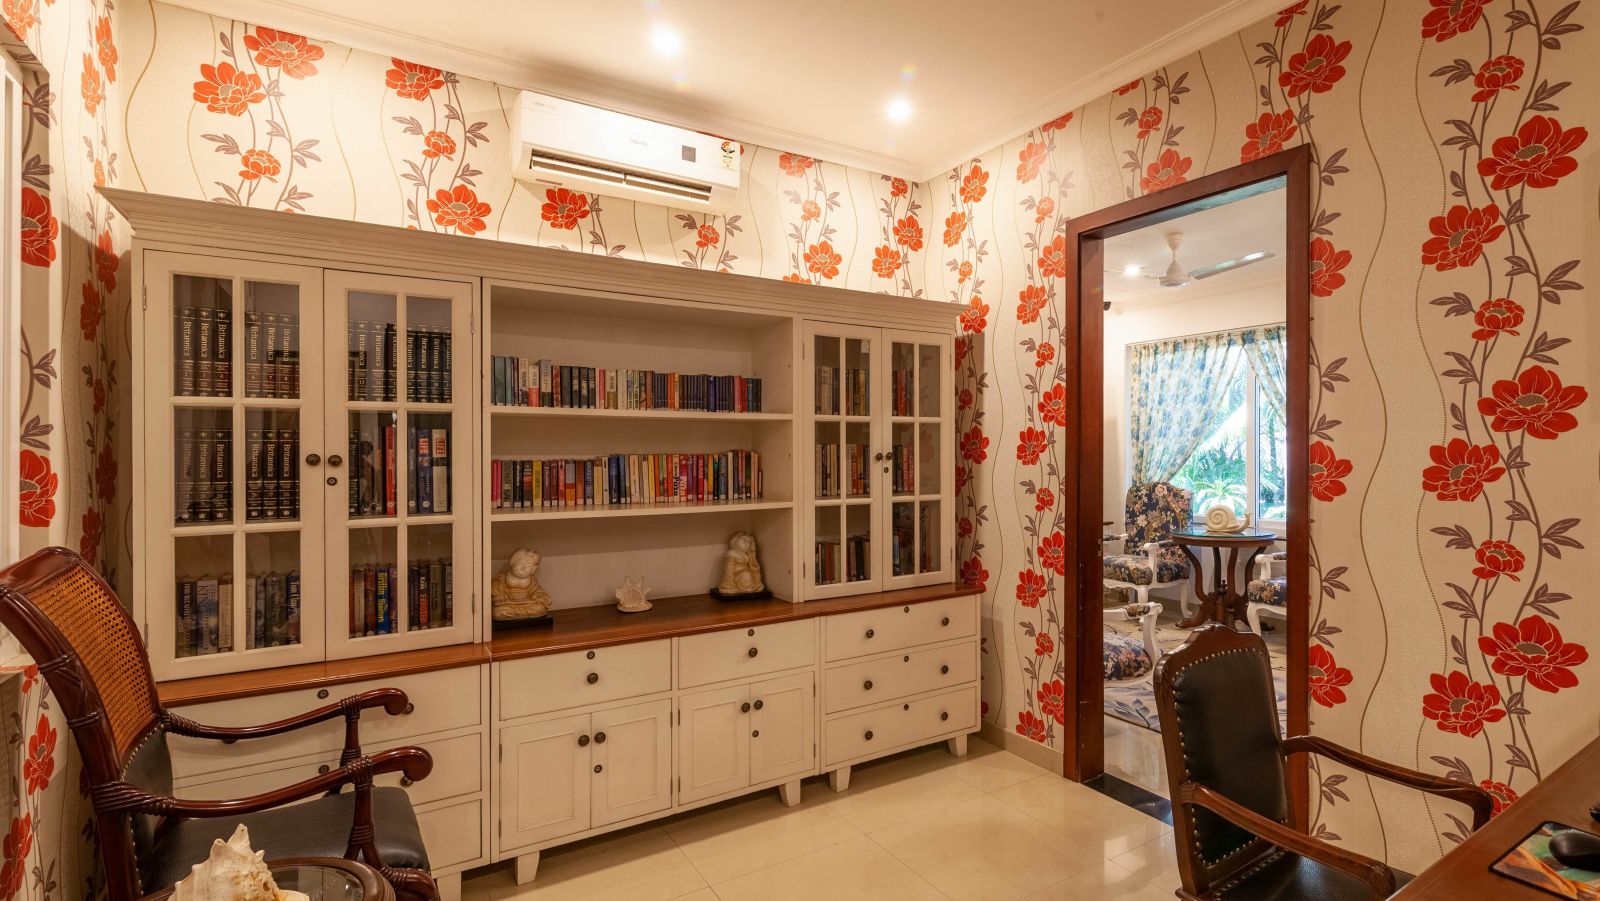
1173	398
1266	352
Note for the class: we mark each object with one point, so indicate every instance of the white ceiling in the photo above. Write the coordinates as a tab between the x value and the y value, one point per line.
1209	236
812	77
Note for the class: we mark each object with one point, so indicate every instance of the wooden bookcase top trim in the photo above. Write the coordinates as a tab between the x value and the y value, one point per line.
574	629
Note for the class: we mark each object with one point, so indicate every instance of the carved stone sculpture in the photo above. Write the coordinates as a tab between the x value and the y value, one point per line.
631	595
515	590
232	872
741	571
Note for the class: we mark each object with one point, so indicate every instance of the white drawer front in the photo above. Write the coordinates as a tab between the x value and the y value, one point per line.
745	653
457	770
582	678
894	726
453	835
848	635
898	675
441	700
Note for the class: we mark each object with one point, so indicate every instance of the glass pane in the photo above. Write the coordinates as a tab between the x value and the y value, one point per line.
902	379
271	465
903	465
903	539
930	381
928	556
858	439
202	336
928	437
372	465
828	562
374	595
271	601
857	377
827	474
271	340
370	372
430	577
428	463
858	543
1217	473
427	350
203	465
1271	450
204	567
827	375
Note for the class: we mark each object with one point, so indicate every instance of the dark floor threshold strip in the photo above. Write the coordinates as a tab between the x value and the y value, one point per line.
1141	799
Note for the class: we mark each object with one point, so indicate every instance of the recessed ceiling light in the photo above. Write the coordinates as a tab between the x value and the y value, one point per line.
666	41
898	110
1131	270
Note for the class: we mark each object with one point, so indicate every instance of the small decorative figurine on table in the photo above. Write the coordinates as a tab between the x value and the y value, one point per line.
518	598
232	872
1221	518
741	571
631	595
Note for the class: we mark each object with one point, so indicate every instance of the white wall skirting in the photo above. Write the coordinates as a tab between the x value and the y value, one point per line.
1026	748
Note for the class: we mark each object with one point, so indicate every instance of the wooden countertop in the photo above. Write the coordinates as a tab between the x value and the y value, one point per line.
574	629
1563	797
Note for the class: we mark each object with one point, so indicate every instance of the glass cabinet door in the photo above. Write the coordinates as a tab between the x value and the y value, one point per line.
232	537
403	422
844	478
918	463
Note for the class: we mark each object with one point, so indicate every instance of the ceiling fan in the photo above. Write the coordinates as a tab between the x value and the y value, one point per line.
1176	276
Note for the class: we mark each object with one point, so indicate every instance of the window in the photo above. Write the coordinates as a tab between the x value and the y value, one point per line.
1241	462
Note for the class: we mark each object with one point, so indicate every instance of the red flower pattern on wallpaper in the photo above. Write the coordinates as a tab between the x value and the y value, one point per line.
1053	553
1287	15
1533	649
1459	236
975	318
259	164
91	312
15	848
564	208
37	501
1030	159
1448	18
1327	472
1168	170
1267	135
1044	645
1502	794
1149	121
225	89
1498	558
1031	445
1030	726
90	86
1536	401
1030	588
1458	704
1031	301
794	164
40	761
1053	406
1538	155
39	229
975	185
1499	74
1327	679
822	261
1501	315
1316	68
285	51
1052	701
1326	263
974	446
1053	259
1460	470
459	209
438	144
908	233
412	81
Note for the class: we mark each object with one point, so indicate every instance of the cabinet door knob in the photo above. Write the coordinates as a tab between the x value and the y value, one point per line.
879	456
598	767
745	707
333	480
313	459
906	659
593	678
321	770
407	782
583	741
868	736
752	652
870	633
944	715
322	694
905	609
945	621
867	685
760	704
944	670
755	733
599	738
335	460
591	655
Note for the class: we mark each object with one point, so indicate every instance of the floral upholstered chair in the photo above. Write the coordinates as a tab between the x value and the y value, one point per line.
1124	656
1149	558
1268	592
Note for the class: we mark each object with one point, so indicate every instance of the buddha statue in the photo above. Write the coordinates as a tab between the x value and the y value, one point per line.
515	590
741	572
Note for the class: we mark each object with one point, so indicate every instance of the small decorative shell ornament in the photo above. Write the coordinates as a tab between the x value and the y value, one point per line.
1221	518
232	873
631	595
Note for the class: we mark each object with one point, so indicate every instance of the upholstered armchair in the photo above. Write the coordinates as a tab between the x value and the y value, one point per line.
1149	558
1123	656
89	652
1268	592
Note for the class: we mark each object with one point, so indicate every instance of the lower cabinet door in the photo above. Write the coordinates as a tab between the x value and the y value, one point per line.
632	762
714	743
783	739
544	781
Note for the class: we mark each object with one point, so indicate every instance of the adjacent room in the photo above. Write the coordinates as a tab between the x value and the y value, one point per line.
671	450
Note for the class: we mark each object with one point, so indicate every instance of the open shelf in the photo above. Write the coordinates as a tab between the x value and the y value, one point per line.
610	511
660	415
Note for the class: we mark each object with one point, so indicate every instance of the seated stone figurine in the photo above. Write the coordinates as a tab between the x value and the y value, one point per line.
515	590
741	572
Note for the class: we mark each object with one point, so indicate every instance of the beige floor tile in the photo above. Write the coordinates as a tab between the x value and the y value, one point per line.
1155	862
741	837
482	883
1135	755
1083	815
898	790
856	870
637	865
1107	882
990	768
704	894
985	849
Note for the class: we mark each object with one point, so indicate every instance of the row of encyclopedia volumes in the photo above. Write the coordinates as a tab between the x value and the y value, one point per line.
375	457
271	355
830	379
203	490
375	597
204	624
271	476
520	382
625	479
370	370
830	479
202	351
833	560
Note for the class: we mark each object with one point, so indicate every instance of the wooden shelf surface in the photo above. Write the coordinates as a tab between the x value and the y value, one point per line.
510	411
613	511
574	629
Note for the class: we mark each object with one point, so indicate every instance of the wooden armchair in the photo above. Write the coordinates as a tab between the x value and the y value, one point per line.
89	652
1226	765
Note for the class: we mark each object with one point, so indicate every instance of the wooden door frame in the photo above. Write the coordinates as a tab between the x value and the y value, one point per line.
1083	326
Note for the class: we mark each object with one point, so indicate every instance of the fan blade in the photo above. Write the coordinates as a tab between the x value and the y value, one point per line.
1230	265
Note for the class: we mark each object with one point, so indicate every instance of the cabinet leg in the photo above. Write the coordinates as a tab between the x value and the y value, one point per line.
957	746
527	867
449	887
790	793
839	779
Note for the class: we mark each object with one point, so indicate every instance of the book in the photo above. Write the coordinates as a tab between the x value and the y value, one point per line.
225	614
205	349
423	474
185	356
288	358
360	334
183	633
388	471
254	484
288	444
439	479
222	353
254	355
291	616
205	603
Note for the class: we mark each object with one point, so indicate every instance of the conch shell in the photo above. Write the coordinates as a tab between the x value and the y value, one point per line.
232	873
1221	518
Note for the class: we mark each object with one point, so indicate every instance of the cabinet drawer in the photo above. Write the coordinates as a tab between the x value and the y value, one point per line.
581	678
894	726
898	675
745	653
442	700
453	834
848	635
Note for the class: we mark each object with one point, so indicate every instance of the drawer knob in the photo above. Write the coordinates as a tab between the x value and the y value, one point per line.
591	655
593	678
867	685
313	460
751	633
407	782
322	770
598	768
599	738
745	707
945	621
944	715
583	741
905	706
868	736
753	652
760	704
410	709
905	609
322	694
755	733
870	633
906	659
944	670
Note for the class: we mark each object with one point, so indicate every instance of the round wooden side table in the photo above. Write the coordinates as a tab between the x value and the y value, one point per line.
1225	602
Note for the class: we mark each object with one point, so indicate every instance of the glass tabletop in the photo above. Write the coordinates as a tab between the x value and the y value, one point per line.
320	883
1199	531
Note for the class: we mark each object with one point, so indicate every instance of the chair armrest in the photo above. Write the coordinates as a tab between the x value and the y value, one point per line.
1370	871
1480	801
122	797
392	700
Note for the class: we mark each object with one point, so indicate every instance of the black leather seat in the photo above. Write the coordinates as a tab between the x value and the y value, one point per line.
1290	877
310	829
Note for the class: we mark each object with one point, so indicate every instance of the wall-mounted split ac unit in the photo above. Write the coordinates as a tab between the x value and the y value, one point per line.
584	148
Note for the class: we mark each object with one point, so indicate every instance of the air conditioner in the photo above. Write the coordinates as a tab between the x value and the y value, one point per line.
561	143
